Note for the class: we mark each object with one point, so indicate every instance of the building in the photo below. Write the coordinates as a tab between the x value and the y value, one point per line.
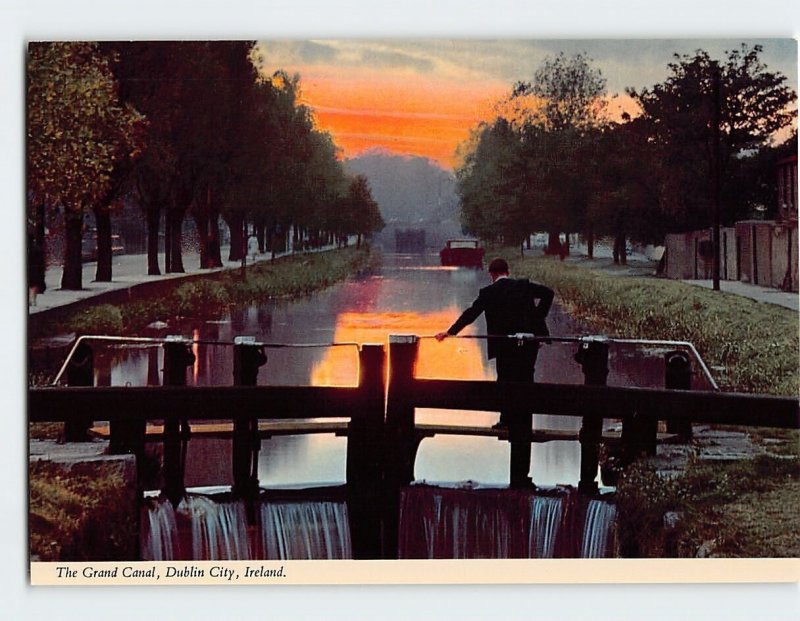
760	252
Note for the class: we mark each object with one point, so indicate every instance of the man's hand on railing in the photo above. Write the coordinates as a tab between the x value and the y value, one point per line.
441	336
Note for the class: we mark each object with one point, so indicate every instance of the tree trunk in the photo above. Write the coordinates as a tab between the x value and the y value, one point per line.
235	222
39	244
620	254
590	243
153	220
176	234
72	278
553	244
202	238
214	251
168	241
261	236
102	217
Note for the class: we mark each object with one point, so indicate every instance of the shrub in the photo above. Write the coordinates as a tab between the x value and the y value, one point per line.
103	319
201	298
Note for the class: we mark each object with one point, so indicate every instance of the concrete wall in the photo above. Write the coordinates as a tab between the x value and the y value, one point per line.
689	256
766	249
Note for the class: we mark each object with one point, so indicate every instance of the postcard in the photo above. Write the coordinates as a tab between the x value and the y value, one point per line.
412	311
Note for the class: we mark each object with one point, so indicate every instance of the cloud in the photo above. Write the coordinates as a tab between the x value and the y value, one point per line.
397	114
624	62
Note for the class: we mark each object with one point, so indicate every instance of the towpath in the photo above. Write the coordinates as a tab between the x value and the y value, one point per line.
131	269
640	265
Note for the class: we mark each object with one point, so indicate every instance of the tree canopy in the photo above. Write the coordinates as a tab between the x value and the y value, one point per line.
554	161
200	132
77	131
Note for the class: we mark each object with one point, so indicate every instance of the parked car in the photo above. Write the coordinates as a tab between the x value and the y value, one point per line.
462	253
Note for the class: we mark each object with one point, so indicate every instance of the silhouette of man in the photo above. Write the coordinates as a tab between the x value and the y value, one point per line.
511	306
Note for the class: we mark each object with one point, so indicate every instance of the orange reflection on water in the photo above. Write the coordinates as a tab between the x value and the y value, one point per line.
452	358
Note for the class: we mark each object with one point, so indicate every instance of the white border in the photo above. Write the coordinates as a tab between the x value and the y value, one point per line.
21	20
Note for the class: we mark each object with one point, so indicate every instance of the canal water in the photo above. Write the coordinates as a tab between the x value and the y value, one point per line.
410	294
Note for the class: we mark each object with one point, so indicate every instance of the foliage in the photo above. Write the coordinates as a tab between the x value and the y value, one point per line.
359	213
530	169
103	319
568	93
739	101
756	344
201	298
698	499
85	512
552	161
289	276
76	125
77	132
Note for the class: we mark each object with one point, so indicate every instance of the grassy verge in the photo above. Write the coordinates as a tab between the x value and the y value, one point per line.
746	508
213	295
84	513
755	345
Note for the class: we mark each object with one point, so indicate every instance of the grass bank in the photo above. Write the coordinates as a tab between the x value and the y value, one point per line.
86	512
740	509
752	346
212	295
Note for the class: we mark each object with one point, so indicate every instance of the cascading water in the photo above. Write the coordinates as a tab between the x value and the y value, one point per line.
305	530
202	529
494	523
600	518
546	514
219	530
159	540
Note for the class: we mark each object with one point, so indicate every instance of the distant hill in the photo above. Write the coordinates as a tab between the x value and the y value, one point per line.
412	192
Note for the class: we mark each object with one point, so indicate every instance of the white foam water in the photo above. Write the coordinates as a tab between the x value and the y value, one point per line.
305	530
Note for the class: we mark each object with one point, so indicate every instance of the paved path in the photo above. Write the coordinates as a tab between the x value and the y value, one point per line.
131	269
127	270
641	265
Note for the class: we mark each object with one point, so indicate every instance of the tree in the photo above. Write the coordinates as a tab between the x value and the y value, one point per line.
682	117
77	131
527	170
567	93
623	199
359	213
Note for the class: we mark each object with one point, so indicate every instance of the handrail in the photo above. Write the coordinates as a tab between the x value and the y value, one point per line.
525	336
186	341
521	336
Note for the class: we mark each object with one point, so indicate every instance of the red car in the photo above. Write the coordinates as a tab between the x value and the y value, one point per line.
462	253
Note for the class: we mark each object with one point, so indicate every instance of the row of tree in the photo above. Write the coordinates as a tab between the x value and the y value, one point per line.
181	129
553	161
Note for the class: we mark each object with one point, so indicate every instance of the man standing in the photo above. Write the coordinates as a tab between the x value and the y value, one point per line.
512	306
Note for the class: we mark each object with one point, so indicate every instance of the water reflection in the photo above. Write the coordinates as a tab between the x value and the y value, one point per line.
411	295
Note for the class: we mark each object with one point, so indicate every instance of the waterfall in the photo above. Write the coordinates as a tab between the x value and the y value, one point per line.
212	530
597	529
546	513
219	530
305	530
457	523
159	537
494	523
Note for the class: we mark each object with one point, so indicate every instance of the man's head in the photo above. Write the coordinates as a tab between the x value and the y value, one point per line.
498	268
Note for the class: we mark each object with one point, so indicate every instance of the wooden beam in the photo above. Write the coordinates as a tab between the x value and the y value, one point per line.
195	403
610	401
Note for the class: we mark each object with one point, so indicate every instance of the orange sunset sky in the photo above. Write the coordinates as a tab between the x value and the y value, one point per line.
422	97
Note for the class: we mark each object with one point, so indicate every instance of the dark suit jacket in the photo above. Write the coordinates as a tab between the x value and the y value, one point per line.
511	306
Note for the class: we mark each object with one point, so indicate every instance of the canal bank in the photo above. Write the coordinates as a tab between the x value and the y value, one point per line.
133	300
364	312
739	504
